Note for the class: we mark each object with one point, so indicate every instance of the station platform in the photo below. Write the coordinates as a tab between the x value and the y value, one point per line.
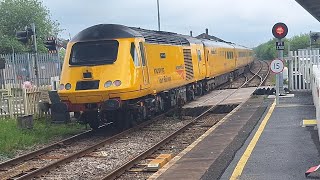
257	140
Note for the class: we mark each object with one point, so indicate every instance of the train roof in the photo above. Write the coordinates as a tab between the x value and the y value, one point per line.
211	43
114	31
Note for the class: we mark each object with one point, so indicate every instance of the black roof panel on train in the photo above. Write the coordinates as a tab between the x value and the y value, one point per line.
105	31
114	31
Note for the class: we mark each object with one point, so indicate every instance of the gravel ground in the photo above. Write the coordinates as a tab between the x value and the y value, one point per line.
118	152
54	155
177	145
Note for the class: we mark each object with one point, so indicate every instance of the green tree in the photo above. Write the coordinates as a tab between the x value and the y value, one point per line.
15	15
301	41
267	50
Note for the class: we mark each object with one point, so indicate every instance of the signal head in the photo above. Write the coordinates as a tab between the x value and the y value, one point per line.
314	37
280	30
22	36
51	44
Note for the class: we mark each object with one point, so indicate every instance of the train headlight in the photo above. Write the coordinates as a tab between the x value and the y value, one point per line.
117	82
68	86
61	87
107	84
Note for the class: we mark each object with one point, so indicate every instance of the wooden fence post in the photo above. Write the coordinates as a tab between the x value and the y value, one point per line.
11	110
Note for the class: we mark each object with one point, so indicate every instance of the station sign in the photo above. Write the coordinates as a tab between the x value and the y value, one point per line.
277	66
279	30
279	45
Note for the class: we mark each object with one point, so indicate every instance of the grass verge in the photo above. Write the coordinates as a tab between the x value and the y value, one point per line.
12	138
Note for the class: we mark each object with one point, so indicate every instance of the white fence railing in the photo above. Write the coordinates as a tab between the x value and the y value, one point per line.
300	67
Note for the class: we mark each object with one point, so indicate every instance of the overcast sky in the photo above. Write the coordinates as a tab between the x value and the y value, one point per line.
245	22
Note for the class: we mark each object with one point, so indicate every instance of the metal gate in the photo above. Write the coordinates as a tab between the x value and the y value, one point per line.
300	67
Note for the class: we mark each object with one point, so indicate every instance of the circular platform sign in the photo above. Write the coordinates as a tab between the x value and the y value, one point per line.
277	66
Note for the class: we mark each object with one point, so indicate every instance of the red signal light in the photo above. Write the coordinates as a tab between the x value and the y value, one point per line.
280	30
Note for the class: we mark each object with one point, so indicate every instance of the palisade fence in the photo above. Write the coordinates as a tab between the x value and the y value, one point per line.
20	68
18	101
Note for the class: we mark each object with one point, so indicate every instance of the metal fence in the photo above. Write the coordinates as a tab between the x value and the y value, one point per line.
21	67
300	66
17	101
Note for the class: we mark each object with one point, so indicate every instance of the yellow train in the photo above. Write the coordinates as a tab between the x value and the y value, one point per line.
121	74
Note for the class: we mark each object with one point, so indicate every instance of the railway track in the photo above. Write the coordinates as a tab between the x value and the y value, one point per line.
192	124
40	161
256	77
55	160
260	76
7	169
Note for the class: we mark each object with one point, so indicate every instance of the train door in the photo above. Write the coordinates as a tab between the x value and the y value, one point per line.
201	63
144	66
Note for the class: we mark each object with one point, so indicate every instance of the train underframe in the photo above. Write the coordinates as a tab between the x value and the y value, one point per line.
124	114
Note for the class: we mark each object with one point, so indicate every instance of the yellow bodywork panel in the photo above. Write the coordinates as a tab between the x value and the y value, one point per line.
122	69
145	68
166	66
218	63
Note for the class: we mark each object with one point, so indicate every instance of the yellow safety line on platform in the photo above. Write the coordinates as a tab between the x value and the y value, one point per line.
309	122
246	155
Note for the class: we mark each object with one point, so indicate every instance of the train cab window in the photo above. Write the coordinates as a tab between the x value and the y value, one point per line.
134	55
143	56
94	52
199	55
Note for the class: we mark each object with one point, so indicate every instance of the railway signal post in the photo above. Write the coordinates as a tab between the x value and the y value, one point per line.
279	31
29	34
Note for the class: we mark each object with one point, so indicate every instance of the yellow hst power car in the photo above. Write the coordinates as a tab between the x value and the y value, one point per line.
122	74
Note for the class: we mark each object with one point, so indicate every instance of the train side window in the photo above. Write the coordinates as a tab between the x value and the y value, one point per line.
143	57
134	55
199	55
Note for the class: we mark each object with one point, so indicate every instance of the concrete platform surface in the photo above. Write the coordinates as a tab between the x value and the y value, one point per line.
218	145
285	150
215	97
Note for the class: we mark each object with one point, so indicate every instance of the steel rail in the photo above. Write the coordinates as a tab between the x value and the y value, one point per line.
263	80
33	154
83	152
126	166
71	157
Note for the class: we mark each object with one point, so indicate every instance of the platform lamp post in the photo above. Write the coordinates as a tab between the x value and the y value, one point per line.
158	7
